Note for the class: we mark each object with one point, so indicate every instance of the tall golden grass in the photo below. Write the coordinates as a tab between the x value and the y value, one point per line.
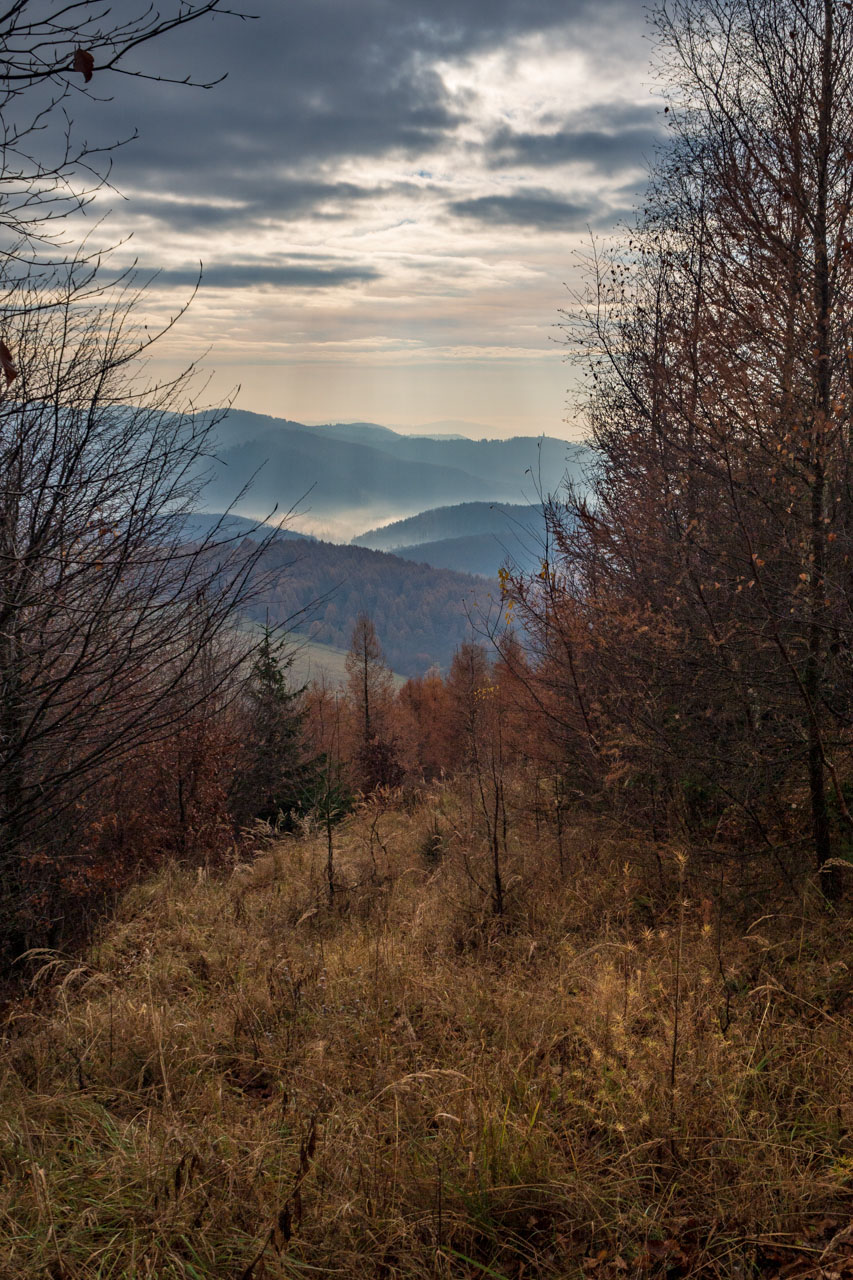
621	1076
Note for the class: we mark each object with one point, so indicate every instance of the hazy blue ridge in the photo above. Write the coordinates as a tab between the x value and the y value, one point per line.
520	461
463	519
479	553
362	466
330	475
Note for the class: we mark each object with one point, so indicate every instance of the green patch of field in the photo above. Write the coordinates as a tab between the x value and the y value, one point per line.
312	661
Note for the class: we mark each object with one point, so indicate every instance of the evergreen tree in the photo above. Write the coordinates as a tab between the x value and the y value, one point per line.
278	777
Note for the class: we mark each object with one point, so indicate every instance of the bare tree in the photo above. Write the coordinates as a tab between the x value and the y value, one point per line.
370	688
53	53
478	720
113	627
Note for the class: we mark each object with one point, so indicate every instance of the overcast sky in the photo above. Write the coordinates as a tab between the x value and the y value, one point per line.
387	197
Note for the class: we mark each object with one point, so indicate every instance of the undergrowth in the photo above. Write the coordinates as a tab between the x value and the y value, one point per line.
623	1075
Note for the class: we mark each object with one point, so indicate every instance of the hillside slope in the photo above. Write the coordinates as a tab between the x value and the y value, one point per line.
509	466
329	475
204	524
480	553
421	614
241	1081
471	537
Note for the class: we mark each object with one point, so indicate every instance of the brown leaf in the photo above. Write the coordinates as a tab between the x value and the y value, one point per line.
662	1248
7	364
84	63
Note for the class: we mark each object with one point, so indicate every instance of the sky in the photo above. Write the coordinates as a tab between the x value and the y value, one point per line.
387	198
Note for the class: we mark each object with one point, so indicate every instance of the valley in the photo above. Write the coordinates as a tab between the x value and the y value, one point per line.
411	529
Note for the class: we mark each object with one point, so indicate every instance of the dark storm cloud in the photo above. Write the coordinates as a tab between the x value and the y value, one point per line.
608	140
281	199
527	208
309	86
255	274
188	215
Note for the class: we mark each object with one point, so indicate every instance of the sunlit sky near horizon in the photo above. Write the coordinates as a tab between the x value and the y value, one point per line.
387	196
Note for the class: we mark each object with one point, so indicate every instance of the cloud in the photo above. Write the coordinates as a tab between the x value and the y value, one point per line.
308	86
529	207
328	106
607	150
279	198
375	158
259	274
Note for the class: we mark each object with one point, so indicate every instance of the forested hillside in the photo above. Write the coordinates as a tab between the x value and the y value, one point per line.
463	520
422	614
481	554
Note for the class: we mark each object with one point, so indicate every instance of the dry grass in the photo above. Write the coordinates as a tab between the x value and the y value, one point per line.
243	1083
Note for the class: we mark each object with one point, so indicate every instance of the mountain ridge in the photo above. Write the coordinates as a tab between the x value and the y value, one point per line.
453	520
471	537
350	475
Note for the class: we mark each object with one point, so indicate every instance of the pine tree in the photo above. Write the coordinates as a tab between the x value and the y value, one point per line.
278	778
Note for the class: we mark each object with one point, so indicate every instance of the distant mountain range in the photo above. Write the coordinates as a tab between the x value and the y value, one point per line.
467	506
472	537
347	475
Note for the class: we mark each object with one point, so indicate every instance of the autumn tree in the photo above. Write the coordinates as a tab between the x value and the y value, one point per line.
768	192
370	690
429	746
697	608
